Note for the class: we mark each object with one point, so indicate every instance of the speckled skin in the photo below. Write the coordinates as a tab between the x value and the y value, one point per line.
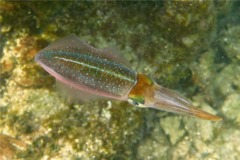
81	66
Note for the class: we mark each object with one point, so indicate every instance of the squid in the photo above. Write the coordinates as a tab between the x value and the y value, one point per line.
104	73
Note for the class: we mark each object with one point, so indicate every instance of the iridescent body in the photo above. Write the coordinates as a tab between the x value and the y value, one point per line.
103	73
81	66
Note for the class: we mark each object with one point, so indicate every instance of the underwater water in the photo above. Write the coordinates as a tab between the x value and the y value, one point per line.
190	47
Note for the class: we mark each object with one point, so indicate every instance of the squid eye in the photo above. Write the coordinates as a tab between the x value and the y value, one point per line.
135	103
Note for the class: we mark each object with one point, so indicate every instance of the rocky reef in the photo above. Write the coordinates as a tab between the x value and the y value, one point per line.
189	46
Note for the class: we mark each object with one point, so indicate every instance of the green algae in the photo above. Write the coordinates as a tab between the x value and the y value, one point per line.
173	42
